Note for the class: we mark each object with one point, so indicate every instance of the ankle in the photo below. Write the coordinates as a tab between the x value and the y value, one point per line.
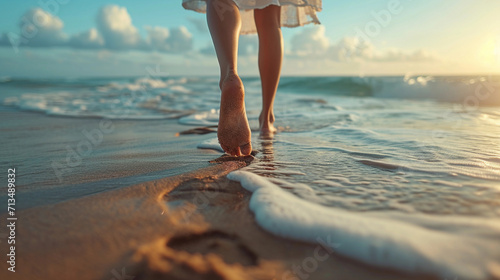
233	81
266	117
229	73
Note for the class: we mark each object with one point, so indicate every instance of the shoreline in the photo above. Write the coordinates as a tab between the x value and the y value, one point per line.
195	225
42	147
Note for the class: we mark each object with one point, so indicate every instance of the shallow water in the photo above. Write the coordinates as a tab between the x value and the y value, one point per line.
420	151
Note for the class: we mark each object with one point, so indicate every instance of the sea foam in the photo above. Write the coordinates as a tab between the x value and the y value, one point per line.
373	240
210	144
202	118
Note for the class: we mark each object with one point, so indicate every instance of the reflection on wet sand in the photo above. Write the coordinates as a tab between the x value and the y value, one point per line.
267	150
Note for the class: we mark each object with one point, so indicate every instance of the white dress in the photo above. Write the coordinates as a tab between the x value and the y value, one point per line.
293	12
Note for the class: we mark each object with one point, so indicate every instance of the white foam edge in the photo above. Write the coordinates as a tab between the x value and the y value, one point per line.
371	240
211	144
201	118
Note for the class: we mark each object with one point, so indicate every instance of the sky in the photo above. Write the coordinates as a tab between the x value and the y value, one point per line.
68	38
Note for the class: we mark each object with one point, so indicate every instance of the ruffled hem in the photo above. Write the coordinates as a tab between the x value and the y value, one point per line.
293	13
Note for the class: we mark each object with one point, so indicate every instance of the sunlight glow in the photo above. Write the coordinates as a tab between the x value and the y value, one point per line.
489	53
496	51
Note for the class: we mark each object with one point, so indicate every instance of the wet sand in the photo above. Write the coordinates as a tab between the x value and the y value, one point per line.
191	226
42	147
196	225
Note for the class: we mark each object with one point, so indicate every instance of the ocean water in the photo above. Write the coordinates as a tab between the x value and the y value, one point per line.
399	172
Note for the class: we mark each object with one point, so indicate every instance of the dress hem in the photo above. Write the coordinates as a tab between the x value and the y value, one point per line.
186	6
201	6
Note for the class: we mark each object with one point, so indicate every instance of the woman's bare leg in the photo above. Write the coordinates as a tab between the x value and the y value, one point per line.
224	22
268	24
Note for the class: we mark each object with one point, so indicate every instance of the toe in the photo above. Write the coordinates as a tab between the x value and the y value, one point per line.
246	149
235	152
231	150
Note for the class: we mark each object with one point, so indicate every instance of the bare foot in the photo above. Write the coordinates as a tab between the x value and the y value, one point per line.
266	122
233	132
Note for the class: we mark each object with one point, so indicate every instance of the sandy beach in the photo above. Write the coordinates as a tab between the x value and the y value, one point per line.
56	161
193	225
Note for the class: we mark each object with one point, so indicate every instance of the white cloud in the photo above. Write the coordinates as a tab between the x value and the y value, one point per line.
41	29
310	41
90	39
351	48
157	37
114	31
175	40
354	49
313	42
115	26
179	40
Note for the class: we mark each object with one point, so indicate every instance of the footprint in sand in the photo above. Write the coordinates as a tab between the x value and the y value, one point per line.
210	255
228	247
